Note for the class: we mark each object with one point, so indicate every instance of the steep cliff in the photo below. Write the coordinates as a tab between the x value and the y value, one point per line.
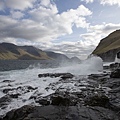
108	47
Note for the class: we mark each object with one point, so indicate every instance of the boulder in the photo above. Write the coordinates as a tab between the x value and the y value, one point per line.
62	75
115	73
4	100
63	99
97	100
114	66
19	114
43	101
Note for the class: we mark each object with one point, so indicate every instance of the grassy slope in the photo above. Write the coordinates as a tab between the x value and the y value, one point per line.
23	54
109	43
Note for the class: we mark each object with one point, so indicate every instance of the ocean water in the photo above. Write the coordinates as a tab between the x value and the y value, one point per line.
25	73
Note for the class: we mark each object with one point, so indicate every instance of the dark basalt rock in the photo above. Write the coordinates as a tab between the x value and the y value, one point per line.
114	66
98	76
4	100
62	75
60	100
19	114
23	89
97	100
115	73
61	113
64	99
15	95
43	101
7	81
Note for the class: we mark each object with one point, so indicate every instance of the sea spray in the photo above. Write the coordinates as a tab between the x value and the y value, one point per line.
29	77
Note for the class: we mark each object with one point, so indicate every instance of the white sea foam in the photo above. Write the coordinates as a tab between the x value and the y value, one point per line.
29	77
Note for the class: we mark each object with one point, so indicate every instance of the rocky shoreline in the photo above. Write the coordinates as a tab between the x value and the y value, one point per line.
93	97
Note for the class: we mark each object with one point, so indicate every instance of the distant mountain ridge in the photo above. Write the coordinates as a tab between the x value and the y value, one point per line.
108	47
9	51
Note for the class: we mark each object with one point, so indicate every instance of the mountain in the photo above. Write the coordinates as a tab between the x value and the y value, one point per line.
75	60
9	51
57	56
108	47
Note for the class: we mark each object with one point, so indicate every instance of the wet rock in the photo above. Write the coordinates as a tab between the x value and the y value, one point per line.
7	90
67	76
14	95
98	76
31	88
115	73
112	83
61	113
4	100
114	66
63	98
19	90
105	67
7	81
62	75
97	100
60	100
19	114
43	101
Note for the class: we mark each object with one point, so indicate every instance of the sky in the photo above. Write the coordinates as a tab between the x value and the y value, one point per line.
71	27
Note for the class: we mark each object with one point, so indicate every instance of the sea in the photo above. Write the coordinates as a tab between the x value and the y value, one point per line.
25	73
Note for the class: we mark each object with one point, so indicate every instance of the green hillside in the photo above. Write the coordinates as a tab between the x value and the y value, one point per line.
111	42
109	46
10	51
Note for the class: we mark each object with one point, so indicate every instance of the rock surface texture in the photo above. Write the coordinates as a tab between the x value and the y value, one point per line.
93	97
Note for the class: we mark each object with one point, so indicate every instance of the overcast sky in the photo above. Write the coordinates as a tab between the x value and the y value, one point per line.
72	27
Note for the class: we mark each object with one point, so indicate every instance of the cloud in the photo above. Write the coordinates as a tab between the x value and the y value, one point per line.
45	2
16	4
17	14
6	23
110	2
88	1
106	28
2	5
39	23
97	32
105	2
42	23
61	24
69	48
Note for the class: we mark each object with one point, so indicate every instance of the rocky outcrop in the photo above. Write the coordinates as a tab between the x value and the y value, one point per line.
109	56
96	97
62	75
108	47
61	113
115	73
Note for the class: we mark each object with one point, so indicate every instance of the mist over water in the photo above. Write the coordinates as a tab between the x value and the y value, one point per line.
86	67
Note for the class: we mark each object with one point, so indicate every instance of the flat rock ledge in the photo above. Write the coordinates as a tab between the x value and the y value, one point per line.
62	75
